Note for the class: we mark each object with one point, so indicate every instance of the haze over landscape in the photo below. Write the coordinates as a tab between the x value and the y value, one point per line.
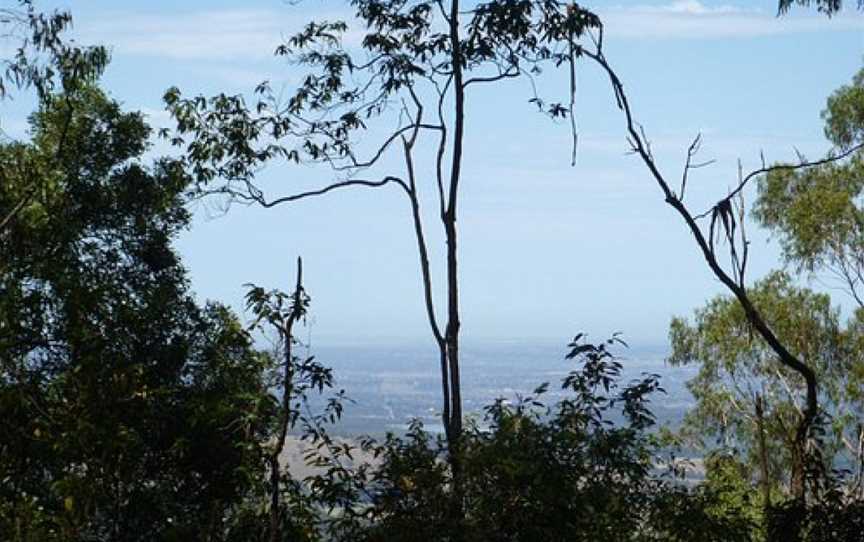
439	270
547	250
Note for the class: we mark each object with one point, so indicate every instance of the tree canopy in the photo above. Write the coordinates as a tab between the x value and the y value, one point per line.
743	394
816	213
129	412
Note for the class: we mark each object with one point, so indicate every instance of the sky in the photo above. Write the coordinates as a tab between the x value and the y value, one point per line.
546	250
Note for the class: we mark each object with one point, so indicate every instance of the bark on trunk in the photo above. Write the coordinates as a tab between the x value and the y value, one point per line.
765	479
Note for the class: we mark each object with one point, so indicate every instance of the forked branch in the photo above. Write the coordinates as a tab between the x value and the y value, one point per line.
254	195
723	214
765	170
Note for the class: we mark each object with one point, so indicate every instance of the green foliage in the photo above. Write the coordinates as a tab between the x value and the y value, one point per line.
413	55
828	7
128	412
42	58
816	214
816	211
735	365
575	477
408	56
844	113
834	518
728	480
529	472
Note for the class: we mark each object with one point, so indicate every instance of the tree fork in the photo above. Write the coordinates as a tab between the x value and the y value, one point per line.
786	358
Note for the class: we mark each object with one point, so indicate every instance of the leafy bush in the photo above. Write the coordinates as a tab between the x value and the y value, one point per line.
530	472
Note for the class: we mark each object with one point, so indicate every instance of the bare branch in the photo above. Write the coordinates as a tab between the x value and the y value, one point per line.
692	151
574	131
442	148
15	210
422	249
802	164
754	316
258	198
493	78
357	164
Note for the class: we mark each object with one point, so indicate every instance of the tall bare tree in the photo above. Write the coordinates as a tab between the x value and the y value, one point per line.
719	233
421	59
416	64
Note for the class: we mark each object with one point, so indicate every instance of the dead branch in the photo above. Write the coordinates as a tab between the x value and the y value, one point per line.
723	212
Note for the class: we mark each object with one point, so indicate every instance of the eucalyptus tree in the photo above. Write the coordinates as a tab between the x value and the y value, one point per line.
43	58
417	63
816	213
421	60
817	216
744	397
751	403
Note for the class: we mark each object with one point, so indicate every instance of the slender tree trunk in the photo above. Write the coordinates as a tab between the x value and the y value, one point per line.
440	340
449	217
452	333
860	461
765	479
453	323
801	458
285	414
275	513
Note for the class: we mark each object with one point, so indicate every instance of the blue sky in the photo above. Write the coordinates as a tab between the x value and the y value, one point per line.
546	249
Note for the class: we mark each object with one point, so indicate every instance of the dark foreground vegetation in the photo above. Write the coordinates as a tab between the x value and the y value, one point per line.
128	411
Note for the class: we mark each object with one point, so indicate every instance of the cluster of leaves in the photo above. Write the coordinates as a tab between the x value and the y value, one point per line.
131	413
828	7
409	51
43	59
747	400
128	411
816	212
587	468
583	469
737	370
833	518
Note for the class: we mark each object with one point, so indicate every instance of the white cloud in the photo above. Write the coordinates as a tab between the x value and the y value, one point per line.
694	7
251	34
691	19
